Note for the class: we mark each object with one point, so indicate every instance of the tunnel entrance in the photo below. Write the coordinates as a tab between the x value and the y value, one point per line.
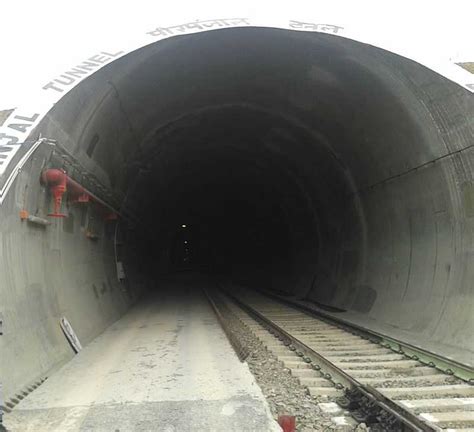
300	163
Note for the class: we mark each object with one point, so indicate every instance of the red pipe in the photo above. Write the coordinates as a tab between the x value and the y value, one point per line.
59	182
76	193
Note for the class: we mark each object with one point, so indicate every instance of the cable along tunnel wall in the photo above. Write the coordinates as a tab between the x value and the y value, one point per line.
353	164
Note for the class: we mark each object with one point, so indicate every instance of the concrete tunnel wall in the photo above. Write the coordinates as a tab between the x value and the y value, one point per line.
313	165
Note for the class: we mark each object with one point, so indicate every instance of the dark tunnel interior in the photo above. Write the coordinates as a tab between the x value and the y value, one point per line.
220	174
301	163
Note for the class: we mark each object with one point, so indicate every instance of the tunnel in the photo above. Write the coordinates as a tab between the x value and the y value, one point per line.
303	164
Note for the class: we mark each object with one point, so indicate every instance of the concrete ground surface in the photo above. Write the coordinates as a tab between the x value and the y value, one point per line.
164	366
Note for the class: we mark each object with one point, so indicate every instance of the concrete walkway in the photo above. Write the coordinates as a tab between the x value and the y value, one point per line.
165	366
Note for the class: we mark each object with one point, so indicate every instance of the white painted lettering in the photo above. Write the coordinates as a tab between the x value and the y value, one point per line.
5	149
68	81
28	119
88	66
77	73
51	86
20	127
12	140
80	71
99	59
112	55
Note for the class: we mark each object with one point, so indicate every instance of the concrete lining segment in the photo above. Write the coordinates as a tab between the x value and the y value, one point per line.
166	365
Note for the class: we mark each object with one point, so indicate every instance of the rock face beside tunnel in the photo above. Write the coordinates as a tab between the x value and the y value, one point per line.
302	163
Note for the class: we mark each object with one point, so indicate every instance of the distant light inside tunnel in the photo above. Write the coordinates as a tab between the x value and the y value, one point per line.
183	226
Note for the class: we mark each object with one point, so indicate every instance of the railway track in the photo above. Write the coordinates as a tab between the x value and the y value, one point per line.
379	387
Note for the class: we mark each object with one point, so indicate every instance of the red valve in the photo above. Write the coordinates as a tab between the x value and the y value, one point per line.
287	423
56	180
59	182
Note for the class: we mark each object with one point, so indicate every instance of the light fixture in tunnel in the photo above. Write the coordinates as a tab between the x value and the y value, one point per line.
183	226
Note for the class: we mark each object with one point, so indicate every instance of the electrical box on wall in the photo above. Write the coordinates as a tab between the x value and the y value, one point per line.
120	271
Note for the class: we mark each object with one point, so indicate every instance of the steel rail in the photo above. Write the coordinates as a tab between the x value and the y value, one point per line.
443	364
410	421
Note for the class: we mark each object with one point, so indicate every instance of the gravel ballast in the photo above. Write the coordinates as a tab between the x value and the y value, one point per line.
284	393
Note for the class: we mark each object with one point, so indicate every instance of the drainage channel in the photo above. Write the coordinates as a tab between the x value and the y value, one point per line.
383	389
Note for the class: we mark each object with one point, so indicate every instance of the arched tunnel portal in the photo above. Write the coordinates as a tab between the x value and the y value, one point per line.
310	165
